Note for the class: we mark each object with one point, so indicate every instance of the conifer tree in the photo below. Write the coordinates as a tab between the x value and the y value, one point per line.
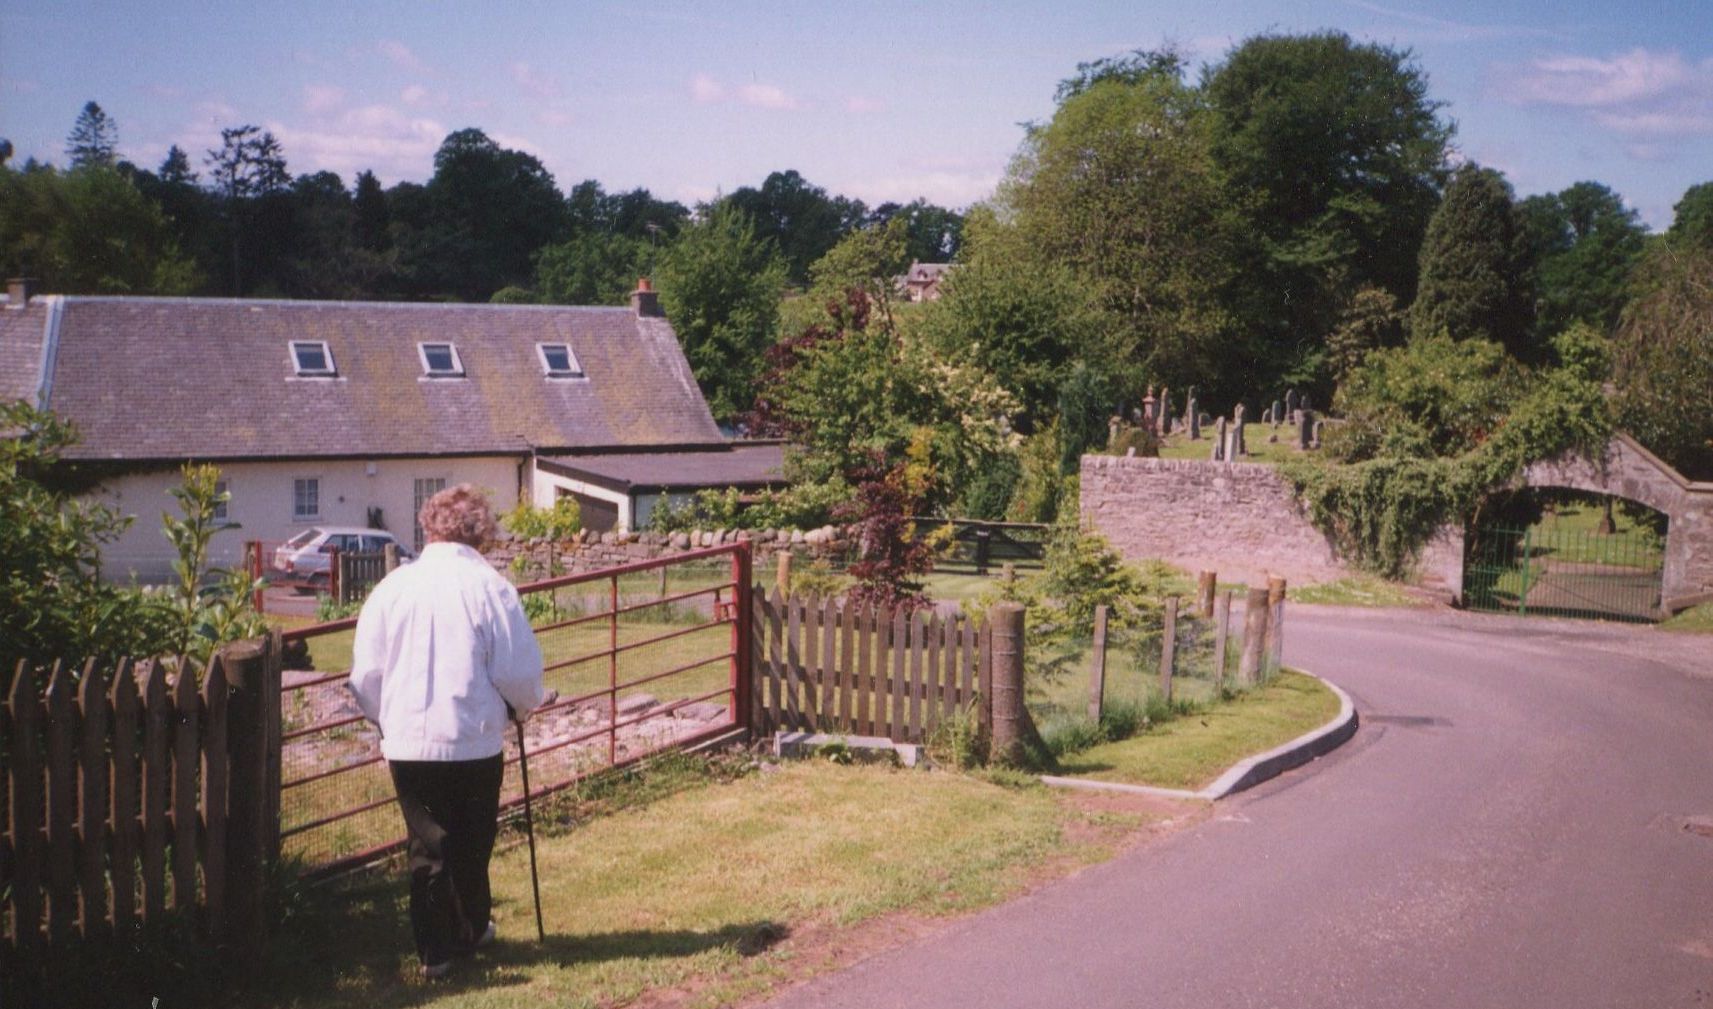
1475	281
94	138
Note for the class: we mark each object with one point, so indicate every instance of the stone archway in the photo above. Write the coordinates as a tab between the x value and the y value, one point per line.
1628	470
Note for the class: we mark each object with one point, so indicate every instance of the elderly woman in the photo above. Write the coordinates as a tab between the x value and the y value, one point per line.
443	654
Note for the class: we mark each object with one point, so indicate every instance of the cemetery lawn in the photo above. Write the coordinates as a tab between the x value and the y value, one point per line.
1179	446
714	881
1192	750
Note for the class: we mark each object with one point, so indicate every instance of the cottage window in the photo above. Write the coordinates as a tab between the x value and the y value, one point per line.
557	361
424	488
440	360
222	498
306	498
312	359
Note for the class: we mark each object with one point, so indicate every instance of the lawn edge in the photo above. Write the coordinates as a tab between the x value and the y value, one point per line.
1250	771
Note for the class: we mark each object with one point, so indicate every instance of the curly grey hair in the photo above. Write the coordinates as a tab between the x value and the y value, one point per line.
458	514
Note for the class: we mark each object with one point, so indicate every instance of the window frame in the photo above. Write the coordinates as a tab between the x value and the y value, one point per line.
575	369
330	371
418	538
222	509
298	484
428	371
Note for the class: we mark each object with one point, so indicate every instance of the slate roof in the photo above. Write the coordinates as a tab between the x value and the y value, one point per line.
175	378
744	465
21	330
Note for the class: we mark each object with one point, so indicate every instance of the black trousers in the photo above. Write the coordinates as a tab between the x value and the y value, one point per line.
451	812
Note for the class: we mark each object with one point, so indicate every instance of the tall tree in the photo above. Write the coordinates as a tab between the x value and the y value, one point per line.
1583	243
248	166
720	284
932	233
1692	219
369	203
799	217
1341	154
88	231
94	138
489	209
591	268
175	168
1121	188
1475	282
1663	354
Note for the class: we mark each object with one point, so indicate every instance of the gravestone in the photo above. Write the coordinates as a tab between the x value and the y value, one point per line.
1278	413
1112	431
1239	449
1219	445
1319	426
1305	430
1148	414
1291	405
1164	412
1267	416
1192	417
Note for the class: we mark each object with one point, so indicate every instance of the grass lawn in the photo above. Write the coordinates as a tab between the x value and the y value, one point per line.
696	889
1179	446
1354	590
1695	620
1190	752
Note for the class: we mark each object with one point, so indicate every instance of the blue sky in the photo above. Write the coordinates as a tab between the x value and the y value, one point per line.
880	101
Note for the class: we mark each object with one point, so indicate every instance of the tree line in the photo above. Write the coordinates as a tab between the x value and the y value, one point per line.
490	221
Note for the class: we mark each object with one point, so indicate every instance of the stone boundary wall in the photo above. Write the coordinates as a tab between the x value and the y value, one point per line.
1235	518
591	551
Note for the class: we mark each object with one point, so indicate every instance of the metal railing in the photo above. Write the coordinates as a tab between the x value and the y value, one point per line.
642	664
1543	571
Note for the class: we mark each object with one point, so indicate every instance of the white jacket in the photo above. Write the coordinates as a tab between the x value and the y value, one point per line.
442	647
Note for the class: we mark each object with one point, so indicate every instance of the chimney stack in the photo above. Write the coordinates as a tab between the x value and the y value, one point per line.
19	291
645	300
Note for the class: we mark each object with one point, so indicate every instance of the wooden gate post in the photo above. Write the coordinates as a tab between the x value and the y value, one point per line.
1254	635
1168	648
782	573
247	854
1009	715
1275	644
1207	583
1097	667
1222	634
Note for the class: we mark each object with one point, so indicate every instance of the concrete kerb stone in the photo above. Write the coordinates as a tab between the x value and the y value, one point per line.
1251	771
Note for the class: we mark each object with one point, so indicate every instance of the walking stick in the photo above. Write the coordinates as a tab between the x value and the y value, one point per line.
529	832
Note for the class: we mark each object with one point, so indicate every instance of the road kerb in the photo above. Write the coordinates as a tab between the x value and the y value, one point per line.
1250	771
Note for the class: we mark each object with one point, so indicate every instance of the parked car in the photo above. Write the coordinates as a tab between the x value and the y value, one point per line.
304	560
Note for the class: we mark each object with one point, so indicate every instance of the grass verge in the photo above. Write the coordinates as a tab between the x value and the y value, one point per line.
1695	620
1191	751
695	880
1354	590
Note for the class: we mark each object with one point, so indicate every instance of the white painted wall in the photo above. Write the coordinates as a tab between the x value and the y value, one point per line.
545	488
262	503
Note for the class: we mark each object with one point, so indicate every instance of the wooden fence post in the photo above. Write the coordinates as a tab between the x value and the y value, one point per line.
1009	714
390	557
983	550
1207	584
1275	644
1097	667
1168	648
782	572
333	574
93	775
25	793
248	799
1222	634
1254	635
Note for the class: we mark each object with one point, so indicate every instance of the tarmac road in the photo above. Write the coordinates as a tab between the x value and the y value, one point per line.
1507	829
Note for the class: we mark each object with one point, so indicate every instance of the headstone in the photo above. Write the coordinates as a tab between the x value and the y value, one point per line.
1267	416
1240	449
1291	403
1163	413
1233	443
1112	431
1304	404
1219	445
1305	429
1278	413
1192	418
1319	426
1148	414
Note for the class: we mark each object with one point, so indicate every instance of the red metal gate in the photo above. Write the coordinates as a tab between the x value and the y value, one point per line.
647	657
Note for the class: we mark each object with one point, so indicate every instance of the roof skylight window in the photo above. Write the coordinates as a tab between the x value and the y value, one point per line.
557	360
312	359
440	360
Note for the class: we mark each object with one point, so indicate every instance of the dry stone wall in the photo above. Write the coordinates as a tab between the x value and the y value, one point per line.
591	551
1235	518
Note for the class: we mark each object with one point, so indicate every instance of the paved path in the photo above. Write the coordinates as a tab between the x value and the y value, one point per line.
1506	830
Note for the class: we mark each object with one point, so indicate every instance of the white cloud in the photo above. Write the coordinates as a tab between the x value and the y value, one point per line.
380	138
414	95
766	96
946	188
1639	94
536	83
401	55
556	118
704	90
860	104
322	98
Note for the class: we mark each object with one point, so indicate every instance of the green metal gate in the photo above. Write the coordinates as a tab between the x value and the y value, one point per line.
1564	573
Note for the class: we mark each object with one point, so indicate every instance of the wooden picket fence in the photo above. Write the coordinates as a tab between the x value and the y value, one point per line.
137	795
822	665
